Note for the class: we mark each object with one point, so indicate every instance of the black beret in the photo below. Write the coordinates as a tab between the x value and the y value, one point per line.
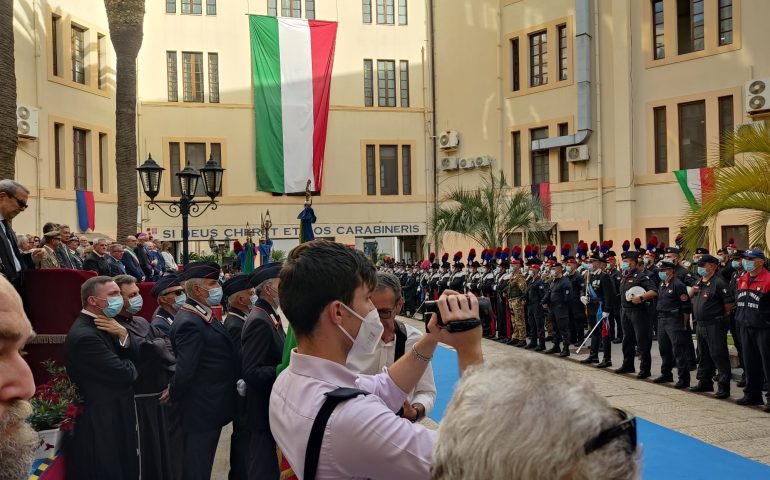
236	284
208	270
631	255
708	259
701	251
672	250
164	282
265	272
666	265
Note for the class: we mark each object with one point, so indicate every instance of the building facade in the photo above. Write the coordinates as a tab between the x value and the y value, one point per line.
645	87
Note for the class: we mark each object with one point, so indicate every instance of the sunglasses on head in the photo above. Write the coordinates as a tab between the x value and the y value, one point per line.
626	427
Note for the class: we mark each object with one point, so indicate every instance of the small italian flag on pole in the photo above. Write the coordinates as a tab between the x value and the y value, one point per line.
697	185
291	68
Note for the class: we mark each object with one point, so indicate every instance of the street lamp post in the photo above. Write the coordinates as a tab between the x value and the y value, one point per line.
150	174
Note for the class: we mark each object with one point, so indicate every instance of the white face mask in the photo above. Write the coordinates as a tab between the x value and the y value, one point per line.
369	333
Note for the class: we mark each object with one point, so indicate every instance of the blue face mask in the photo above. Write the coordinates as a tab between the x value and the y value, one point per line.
589	267
253	299
568	269
736	264
646	261
702	271
662	276
135	304
215	296
748	265
625	266
114	306
180	299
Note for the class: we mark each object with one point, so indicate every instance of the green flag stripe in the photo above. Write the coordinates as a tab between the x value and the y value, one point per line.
681	177
268	122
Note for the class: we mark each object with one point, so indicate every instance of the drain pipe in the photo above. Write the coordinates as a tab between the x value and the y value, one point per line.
598	87
583	24
434	136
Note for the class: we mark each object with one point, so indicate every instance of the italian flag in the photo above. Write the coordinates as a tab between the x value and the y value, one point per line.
291	65
697	184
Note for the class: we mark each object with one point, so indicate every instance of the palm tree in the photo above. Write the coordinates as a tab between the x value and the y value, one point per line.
742	184
126	19
488	214
8	137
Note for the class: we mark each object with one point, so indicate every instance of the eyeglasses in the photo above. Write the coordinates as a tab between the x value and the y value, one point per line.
386	314
175	293
627	427
22	205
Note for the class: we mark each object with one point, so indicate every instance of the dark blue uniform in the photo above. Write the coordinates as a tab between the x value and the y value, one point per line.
577	311
673	308
711	323
558	305
637	328
601	292
535	315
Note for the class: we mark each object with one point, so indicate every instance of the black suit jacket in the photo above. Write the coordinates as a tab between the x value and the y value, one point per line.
132	266
97	264
262	349
8	249
206	369
115	266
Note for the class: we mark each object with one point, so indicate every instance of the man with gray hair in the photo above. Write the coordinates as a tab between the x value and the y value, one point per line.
13	200
397	338
97	260
581	436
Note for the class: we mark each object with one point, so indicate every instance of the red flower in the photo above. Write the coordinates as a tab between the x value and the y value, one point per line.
72	411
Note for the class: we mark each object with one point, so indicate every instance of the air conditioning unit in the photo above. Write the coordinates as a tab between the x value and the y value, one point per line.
757	95
27	121
449	140
482	161
577	153
449	163
467	163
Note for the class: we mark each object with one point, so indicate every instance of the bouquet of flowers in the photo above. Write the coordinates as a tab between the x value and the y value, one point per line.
55	404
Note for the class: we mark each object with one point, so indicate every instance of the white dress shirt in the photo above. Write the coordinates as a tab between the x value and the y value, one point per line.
363	439
384	356
123	343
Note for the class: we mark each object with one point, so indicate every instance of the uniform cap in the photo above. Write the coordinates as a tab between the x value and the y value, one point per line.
265	272
672	250
754	254
163	283
666	265
708	259
701	251
631	255
208	270
236	284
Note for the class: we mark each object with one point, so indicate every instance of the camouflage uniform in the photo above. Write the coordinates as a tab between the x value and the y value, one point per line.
517	288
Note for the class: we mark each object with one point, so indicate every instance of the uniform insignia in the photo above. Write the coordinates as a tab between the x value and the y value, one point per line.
684	297
670	291
724	290
198	310
706	295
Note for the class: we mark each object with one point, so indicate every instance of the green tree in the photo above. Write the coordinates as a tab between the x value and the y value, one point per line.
488	214
741	183
8	137
126	22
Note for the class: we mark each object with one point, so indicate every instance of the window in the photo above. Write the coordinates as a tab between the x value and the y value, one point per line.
406	169
101	56
516	149
514	239
692	135
170	6
562	30
402	12
385	12
291	8
689	25
726	120
175	167
195	156
171	77
104	167
192	71
661	233
368	84
213	78
658	46
725	22
211	7
661	152
80	156
404	83
272	8
539	157
366	11
538	59
310	9
78	55
386	83
739	234
571	237
191	7
58	153
56	44
371	185
388	170
515	64
563	163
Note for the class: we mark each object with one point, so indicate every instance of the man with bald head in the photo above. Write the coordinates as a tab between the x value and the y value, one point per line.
17	438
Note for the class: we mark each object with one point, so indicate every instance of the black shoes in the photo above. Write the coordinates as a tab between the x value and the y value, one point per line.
590	359
554	349
744	400
703	387
664	379
604	364
722	394
540	348
682	383
742	382
617	340
625	369
643	375
531	345
564	353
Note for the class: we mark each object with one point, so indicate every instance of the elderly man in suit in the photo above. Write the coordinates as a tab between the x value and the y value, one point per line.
63	253
262	346
101	358
206	369
114	260
130	260
13	200
97	260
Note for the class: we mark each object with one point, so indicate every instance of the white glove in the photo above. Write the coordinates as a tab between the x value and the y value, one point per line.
240	385
605	315
584	300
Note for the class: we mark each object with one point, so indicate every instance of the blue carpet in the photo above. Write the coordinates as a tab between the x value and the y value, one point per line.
667	454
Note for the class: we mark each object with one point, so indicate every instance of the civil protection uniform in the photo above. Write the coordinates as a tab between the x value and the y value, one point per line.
752	315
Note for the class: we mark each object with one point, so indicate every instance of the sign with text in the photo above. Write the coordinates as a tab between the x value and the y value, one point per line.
327	230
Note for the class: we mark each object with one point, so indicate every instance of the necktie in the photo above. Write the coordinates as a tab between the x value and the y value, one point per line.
13	256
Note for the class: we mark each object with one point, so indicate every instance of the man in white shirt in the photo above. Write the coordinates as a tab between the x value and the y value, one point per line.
397	339
325	293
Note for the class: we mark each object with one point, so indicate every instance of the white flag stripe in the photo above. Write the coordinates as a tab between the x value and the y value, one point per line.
694	183
297	100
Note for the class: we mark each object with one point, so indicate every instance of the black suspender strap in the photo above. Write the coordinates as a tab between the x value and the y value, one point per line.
313	451
400	341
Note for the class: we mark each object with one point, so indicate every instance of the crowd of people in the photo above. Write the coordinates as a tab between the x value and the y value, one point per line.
644	294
